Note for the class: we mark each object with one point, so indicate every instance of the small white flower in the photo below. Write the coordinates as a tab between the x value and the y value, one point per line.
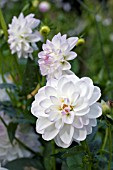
54	58
66	109
44	6
23	35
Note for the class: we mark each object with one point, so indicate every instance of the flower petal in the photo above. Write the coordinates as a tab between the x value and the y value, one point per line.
66	134
42	123
50	133
59	142
80	134
72	41
96	95
95	111
45	103
50	91
72	55
68	119
77	123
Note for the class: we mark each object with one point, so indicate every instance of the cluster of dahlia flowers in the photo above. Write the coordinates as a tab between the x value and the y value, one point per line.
66	107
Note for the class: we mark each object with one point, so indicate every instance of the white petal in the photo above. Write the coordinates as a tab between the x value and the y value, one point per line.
72	55
85	120
61	82
77	123
83	88
96	95
50	91
54	100
89	129
54	116
59	124
59	142
68	119
82	112
72	41
42	123
37	110
80	134
45	103
66	65
95	111
66	134
79	107
74	97
50	133
93	122
68	88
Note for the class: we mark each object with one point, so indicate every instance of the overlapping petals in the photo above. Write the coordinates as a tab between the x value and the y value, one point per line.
23	35
53	60
66	109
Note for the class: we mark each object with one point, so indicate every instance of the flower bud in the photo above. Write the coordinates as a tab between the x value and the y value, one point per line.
105	107
80	42
45	30
35	3
44	6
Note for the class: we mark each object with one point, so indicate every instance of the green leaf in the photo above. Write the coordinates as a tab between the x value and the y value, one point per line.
11	128
21	164
3	24
75	162
30	78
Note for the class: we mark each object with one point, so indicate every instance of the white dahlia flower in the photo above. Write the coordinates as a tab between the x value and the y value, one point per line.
67	109
8	151
53	60
23	35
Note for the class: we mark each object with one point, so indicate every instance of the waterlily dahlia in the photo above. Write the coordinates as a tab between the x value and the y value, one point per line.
67	109
23	35
53	60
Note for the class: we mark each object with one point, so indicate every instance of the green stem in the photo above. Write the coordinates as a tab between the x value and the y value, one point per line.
86	148
53	152
105	140
3	24
110	147
17	66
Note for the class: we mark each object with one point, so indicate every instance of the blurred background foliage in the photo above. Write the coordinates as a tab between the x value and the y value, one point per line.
90	20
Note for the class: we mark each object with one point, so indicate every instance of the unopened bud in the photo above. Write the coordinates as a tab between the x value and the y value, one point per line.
45	30
105	107
35	3
80	42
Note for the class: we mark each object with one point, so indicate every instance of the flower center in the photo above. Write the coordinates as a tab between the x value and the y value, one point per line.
66	107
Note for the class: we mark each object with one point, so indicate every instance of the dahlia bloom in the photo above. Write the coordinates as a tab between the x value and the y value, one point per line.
8	151
23	35
53	60
66	109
